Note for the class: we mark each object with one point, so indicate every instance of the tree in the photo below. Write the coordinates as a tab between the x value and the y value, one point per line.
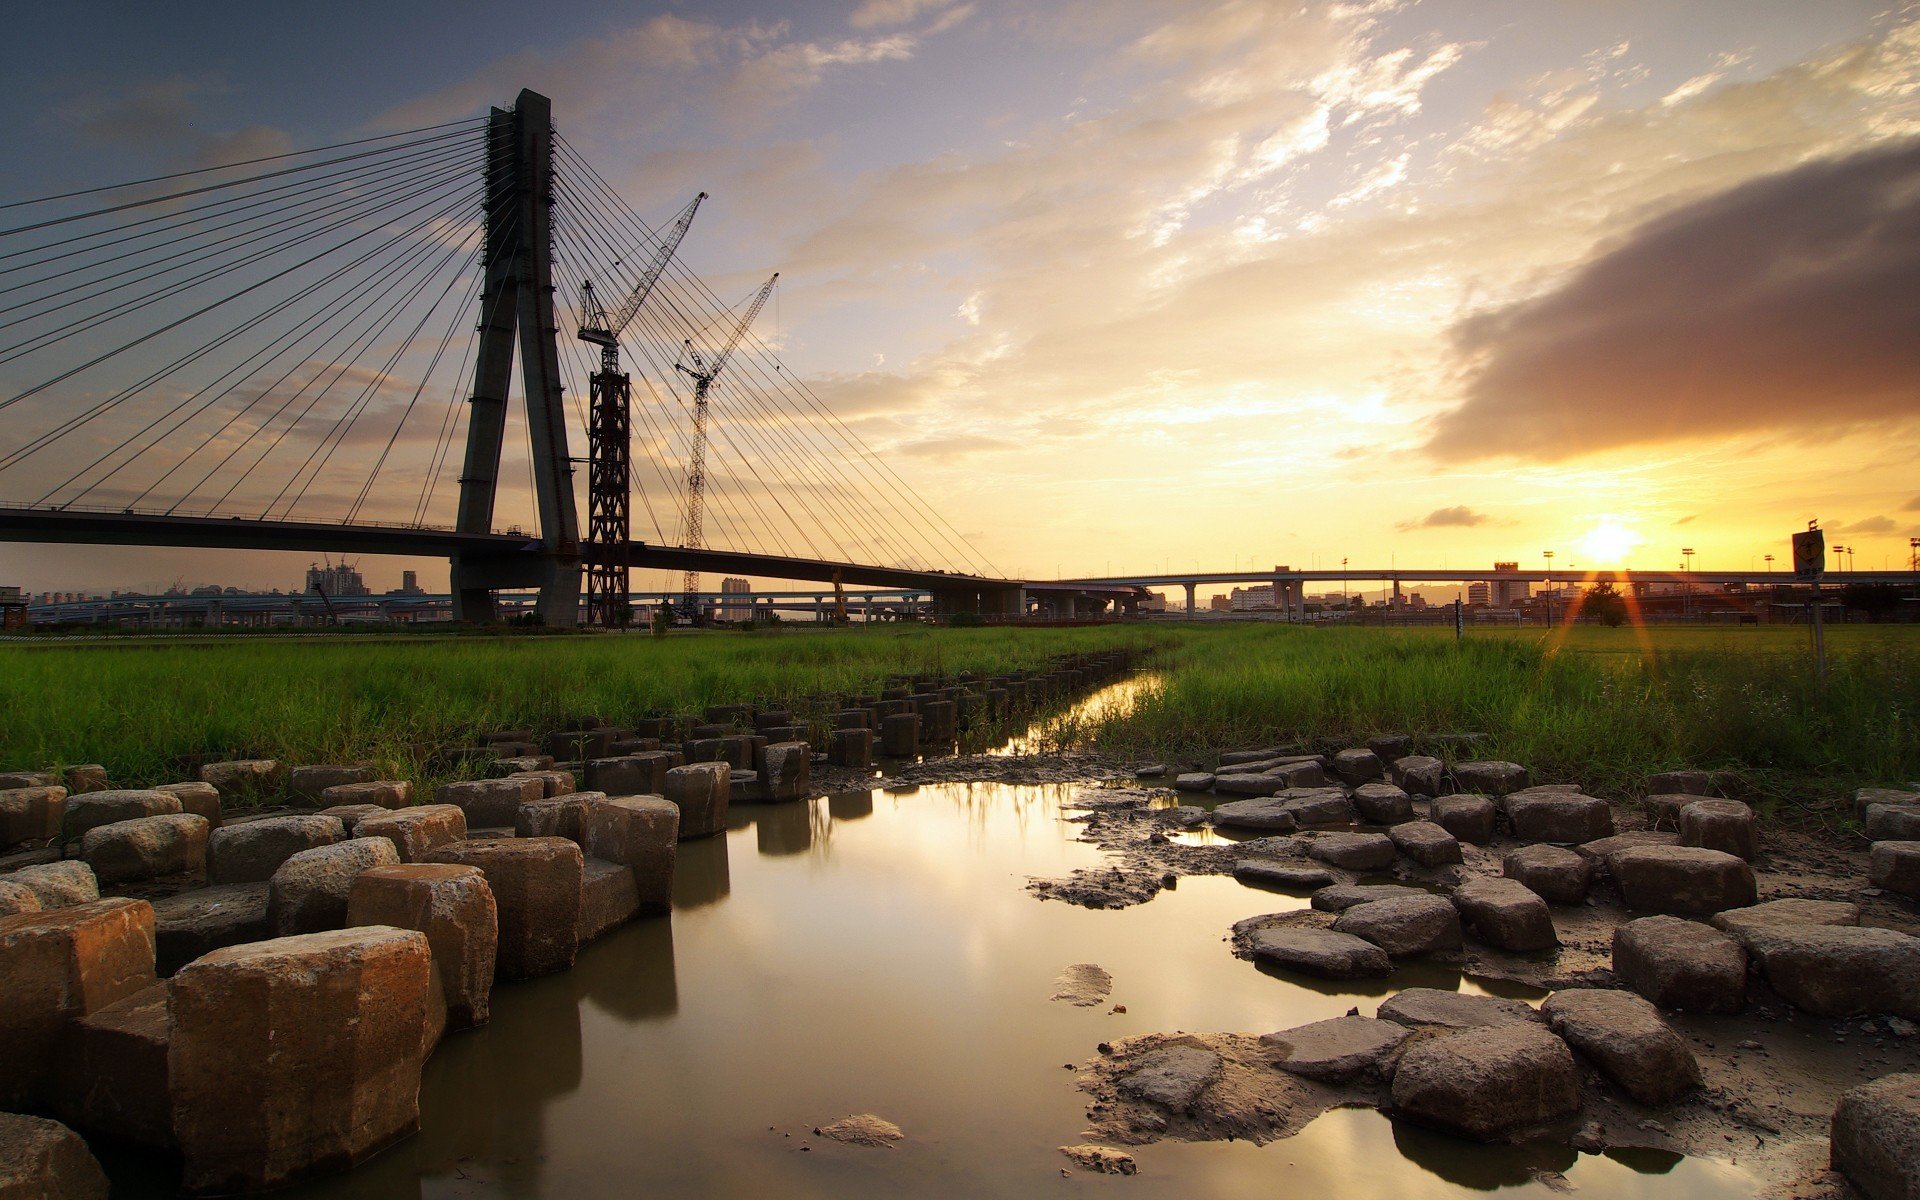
1606	605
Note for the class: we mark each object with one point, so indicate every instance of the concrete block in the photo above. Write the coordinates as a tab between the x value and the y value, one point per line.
702	792
104	808
17	898
787	772
252	852
26	779
58	885
635	775
490	803
552	783
900	735
536	892
245	779
350	815
58	966
385	793
851	748
41	1158
31	814
200	799
85	777
416	831
189	924
554	816
147	848
454	907
112	1073
639	832
609	898
1725	825
309	891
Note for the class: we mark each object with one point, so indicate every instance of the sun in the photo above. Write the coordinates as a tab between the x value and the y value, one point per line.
1608	543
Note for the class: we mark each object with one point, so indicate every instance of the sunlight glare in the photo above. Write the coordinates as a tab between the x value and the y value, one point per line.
1608	543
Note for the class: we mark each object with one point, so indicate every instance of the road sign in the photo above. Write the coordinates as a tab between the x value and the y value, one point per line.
1809	556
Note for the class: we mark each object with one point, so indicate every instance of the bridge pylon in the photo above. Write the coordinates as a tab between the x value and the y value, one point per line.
516	304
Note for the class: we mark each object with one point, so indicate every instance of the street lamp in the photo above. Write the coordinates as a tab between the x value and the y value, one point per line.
1913	553
1769	563
1686	586
1344	603
1548	555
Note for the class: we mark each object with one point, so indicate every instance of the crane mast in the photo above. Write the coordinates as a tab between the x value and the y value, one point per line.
610	434
703	373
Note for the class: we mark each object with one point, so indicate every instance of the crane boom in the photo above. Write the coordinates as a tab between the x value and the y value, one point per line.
602	328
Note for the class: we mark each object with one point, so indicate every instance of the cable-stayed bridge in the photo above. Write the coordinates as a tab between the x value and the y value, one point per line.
316	351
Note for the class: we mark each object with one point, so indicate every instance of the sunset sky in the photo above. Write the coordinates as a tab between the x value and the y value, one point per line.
1125	286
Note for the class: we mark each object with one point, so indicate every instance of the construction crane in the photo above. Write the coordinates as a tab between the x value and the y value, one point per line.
703	372
610	434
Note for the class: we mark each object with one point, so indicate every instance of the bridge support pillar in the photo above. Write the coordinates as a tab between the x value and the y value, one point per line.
1191	589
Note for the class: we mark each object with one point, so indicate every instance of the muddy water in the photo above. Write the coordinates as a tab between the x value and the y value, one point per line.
876	952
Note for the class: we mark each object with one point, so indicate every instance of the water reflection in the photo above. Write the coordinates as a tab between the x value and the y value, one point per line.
1114	700
700	873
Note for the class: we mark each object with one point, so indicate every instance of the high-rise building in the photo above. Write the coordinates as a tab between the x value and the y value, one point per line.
1249	599
1220	603
1479	593
336	580
735	610
1508	593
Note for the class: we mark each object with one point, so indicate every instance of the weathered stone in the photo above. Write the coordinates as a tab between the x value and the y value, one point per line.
1839	970
1353	851
1663	808
1895	866
1725	825
1684	880
1382	804
536	892
57	966
1321	952
1419	1008
1343	896
1567	818
1467	817
454	908
309	891
385	793
104	808
31	814
1250	783
1556	874
555	782
1744	923
1318	806
638	832
633	775
147	848
200	799
1336	1049
702	791
490	803
1507	914
850	748
609	898
1876	1137
1418	774
1355	767
82	778
350	815
1172	1076
58	885
1690	783
17	898
1487	1083
28	779
554	816
1101	1160
416	831
308	783
1627	1039
743	787
1601	851
191	923
1263	815
1681	965
1425	843
112	1076
253	851
337	1019
244	778
1404	927
1194	781
786	771
1390	747
1286	877
44	1160
1490	777
1893	822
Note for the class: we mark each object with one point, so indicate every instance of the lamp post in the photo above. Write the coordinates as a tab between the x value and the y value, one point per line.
1686	585
1548	555
1913	554
1344	602
1769	563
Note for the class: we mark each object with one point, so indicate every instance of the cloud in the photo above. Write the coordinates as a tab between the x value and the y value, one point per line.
1440	518
1789	301
1912	505
882	14
165	119
1869	525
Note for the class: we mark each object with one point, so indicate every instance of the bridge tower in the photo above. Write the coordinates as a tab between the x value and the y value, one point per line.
516	303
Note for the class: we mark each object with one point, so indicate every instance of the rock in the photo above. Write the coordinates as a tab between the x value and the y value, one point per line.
58	885
1101	1160
1681	965
104	808
200	799
1418	774
1250	783
1343	896
1286	877
189	924
1876	1137
385	793
1469	818
1082	985
1558	875
863	1129
350	815
1663	809
490	803
1419	1008
244	778
85	777
309	891
744	786
1353	851
1627	1039
1264	815
113	1071
31	814
628	775
1336	1049
1317	806
701	792
1490	777
554	816
1861	799
1355	767
1382	804
1151	771
552	782
1194	781
1188	816
786	771
608	898
639	833
251	852
1895	866
29	779
58	966
1744	923
44	1159
1725	825
1425	843
17	898
415	832
337	1019
1321	952
147	848
1691	783
1390	747
454	908
1685	880
1507	914
1893	822
536	890
850	748
1172	1076
1566	818
1405	927
1838	970
1602	851
1487	1083
309	783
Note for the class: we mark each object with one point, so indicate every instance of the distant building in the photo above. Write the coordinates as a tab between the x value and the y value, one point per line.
1252	599
1220	604
735	610
13	608
1479	593
410	584
340	580
1508	593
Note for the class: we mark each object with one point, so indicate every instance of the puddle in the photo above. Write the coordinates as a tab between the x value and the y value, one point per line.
1113	700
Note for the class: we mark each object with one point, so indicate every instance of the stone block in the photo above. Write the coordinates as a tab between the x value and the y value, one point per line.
1629	1041
82	778
58	966
200	799
1194	781
703	792
1469	818
1404	927
1353	851
900	735
536	893
1726	825
25	779
1663	808
147	848
309	891
1838	970
454	907
350	815
1355	767
1390	747
552	782
1425	843
1554	873
490	803
1490	777
251	852
1336	1049
416	831
554	816
1743	924
1382	804
306	784
1895	866
1683	880
1681	965
17	898
1564	818
245	779
189	924
638	832
1324	953
104	808
736	750
786	772
336	1019
1432	1008
1677	783
609	898
1418	774
1262	814
851	748
44	1160
385	793
1876	1137
1893	822
112	1074
31	814
1862	798
635	775
58	885
1487	1083
1507	914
